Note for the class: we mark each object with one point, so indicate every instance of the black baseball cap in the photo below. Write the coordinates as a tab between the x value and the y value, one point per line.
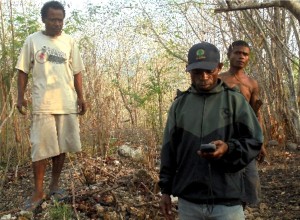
203	56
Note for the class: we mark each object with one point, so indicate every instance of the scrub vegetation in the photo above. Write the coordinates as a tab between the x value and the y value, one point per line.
135	57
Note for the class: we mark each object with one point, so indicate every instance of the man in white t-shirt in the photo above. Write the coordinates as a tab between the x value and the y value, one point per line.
53	59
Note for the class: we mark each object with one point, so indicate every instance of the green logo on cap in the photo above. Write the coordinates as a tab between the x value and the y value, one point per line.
200	54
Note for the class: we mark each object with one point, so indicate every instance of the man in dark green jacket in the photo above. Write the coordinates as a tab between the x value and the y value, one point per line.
208	184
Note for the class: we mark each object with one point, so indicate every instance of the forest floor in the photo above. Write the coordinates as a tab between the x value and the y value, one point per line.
118	188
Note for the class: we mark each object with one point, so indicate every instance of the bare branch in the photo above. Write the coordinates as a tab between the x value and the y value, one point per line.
292	6
5	120
250	6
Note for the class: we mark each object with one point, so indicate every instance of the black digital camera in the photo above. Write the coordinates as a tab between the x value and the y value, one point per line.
207	148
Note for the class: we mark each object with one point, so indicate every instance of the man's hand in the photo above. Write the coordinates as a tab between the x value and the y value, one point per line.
166	206
262	154
221	149
82	107
20	104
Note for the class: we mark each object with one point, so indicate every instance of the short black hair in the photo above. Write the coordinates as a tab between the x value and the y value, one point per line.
237	43
51	4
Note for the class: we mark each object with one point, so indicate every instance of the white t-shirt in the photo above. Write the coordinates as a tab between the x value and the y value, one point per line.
54	61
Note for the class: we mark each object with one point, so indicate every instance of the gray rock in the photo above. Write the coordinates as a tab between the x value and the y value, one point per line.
291	146
273	143
127	151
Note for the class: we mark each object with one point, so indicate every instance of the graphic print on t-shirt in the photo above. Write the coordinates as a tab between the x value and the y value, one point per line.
50	54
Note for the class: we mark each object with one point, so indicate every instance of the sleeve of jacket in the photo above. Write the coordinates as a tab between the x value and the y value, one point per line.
246	144
168	154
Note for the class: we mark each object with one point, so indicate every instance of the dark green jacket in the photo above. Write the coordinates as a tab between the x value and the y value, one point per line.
195	118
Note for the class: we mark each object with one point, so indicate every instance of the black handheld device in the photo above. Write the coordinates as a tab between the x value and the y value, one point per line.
208	147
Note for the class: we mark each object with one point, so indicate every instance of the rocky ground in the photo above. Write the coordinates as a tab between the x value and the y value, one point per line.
118	188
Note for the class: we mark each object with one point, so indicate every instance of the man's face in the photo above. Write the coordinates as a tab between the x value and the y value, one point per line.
239	56
54	22
205	79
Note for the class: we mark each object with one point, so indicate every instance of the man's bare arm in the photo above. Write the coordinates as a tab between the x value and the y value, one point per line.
78	87
256	104
22	83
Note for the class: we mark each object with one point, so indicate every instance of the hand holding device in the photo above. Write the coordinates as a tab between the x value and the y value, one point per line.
207	148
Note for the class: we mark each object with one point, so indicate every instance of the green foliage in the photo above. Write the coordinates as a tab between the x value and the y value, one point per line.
60	211
24	23
80	20
75	22
16	27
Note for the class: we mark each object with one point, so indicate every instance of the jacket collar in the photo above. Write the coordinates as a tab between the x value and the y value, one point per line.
217	89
